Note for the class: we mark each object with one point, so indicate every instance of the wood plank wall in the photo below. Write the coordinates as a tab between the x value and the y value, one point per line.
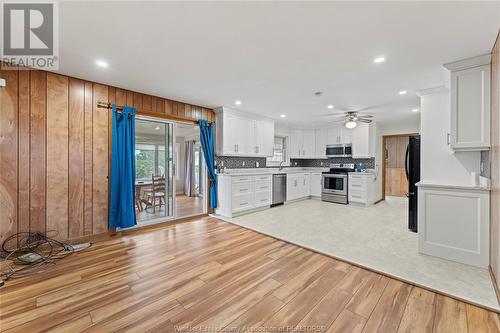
55	150
495	163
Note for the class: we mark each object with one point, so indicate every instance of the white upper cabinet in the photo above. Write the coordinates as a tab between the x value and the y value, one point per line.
295	143
321	142
309	144
470	103
241	134
263	131
302	143
363	141
339	135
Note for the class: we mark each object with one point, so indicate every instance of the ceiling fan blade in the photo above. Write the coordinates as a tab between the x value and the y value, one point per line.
361	120
366	116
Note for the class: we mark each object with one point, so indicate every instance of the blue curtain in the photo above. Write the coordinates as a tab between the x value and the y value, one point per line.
121	206
207	143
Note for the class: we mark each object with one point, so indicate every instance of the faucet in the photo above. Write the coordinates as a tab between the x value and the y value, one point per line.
281	165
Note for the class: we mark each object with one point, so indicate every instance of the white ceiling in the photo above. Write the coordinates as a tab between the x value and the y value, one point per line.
274	55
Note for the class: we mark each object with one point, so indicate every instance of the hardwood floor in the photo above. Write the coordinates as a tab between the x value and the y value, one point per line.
210	274
188	206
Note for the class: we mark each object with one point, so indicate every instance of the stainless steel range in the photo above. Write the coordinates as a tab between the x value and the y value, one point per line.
334	183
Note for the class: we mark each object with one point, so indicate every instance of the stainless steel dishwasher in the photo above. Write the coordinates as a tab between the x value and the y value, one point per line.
279	189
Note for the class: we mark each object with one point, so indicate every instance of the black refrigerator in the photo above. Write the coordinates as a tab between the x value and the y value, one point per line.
412	167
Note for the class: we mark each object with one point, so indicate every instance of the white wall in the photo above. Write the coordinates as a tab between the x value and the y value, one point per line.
439	164
400	127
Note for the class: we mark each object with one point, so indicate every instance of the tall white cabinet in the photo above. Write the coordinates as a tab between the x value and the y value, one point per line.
470	103
243	134
302	143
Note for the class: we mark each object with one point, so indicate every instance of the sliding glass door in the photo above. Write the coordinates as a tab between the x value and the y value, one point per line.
154	163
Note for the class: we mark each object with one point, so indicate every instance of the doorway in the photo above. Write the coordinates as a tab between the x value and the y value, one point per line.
395	182
190	174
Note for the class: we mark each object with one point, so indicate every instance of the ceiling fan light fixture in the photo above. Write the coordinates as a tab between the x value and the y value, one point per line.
351	124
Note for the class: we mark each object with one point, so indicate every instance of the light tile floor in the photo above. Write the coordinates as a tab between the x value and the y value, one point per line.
375	237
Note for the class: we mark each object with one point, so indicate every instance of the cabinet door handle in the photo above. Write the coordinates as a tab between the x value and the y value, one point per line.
243	203
448	139
235	149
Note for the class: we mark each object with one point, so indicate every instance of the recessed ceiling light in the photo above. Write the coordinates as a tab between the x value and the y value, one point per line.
283	116
415	110
238	102
330	106
101	63
379	60
403	92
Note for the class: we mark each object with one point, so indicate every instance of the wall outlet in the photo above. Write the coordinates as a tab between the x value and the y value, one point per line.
321	163
295	163
221	163
243	164
256	164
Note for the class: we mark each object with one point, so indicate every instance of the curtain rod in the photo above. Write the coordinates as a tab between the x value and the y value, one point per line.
106	105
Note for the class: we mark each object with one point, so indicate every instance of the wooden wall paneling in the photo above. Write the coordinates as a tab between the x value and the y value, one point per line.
8	153
100	160
38	100
188	110
138	101
57	154
76	153
23	211
87	158
121	97
204	113
168	109
130	98
179	109
159	105
147	102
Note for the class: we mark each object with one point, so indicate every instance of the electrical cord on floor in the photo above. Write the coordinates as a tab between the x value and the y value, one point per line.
29	252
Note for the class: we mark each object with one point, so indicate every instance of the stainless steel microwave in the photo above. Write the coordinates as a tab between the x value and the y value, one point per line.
339	150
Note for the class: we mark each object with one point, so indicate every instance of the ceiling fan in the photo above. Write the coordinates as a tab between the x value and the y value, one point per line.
352	118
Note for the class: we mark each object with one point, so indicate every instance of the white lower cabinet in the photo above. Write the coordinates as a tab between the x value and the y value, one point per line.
316	184
361	188
298	186
453	223
238	194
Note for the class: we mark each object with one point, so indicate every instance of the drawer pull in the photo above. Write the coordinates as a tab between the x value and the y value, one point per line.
243	189
262	187
243	203
356	185
262	200
243	178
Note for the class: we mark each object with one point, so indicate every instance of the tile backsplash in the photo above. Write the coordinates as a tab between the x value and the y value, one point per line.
368	163
234	162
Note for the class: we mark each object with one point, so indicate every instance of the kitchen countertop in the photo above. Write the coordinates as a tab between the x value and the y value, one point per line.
269	171
450	186
287	170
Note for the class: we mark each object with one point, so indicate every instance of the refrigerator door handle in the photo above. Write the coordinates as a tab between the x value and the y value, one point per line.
407	155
